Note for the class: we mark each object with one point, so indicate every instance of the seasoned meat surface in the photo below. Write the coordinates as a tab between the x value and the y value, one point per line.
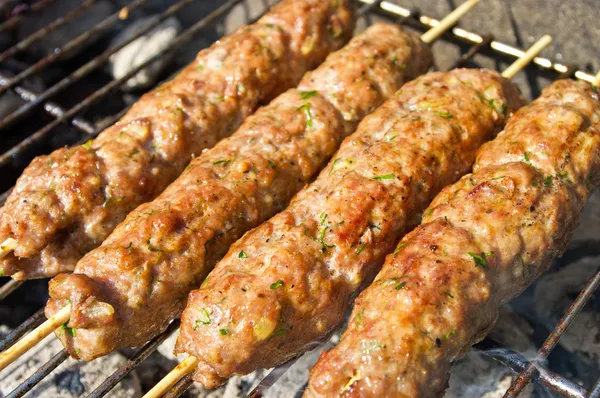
68	202
483	241
301	269
130	288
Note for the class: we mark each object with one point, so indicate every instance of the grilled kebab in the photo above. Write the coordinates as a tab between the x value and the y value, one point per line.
300	269
130	288
483	240
68	202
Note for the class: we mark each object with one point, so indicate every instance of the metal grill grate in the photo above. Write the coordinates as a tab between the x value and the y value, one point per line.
476	44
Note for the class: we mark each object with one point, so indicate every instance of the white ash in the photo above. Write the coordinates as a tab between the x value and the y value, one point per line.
477	375
141	50
71	379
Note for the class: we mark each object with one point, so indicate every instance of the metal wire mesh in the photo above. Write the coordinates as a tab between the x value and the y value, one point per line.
478	44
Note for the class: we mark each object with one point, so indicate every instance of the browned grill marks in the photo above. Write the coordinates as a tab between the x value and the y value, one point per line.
495	231
301	268
68	202
131	287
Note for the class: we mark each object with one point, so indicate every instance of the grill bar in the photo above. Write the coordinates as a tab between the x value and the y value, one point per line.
9	287
475	48
390	9
86	69
133	362
478	44
108	88
72	45
32	322
180	387
39	375
519	363
595	392
520	383
51	108
22	45
14	21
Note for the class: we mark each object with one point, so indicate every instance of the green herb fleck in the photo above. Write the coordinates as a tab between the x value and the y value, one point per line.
385	177
281	332
492	104
400	285
306	109
111	201
391	137
134	152
333	165
359	317
444	114
451	333
204	282
325	245
497	178
429	212
447	293
69	330
152	248
526	157
479	259
204	318
548	181
277	284
222	161
400	246
271	164
360	248
307	94
323	218
88	145
224	332
242	255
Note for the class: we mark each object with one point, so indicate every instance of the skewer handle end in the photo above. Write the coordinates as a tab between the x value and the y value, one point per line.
432	34
7	247
527	57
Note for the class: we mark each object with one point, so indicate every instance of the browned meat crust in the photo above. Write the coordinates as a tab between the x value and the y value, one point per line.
68	202
483	241
304	265
129	289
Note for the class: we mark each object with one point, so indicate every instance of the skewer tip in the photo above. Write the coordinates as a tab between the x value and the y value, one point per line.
7	247
527	57
33	338
449	20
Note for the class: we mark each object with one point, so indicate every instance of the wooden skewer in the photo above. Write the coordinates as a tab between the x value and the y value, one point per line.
597	80
527	57
189	364
37	335
7	247
185	367
449	20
